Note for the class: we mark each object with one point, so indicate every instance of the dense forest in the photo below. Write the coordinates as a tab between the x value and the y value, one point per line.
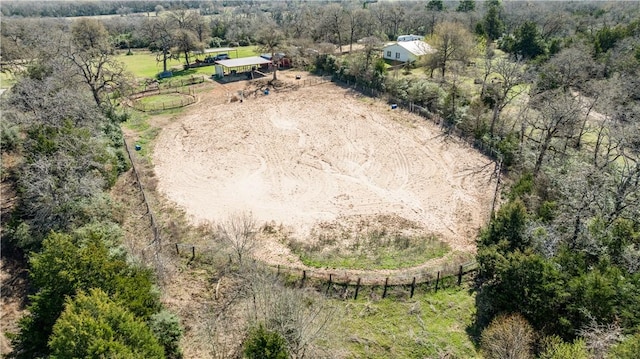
552	87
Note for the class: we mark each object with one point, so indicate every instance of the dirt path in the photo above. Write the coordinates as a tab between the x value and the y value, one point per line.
319	154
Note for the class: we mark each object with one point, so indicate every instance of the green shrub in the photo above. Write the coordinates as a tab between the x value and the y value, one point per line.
555	348
265	344
9	139
627	349
166	327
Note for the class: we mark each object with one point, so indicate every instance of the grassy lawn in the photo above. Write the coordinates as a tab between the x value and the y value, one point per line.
163	102
428	326
145	133
245	51
144	64
159	99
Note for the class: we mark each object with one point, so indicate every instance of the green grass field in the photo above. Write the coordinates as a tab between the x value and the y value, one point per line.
159	99
143	64
431	325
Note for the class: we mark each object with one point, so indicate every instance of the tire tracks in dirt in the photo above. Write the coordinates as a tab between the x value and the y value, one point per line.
319	155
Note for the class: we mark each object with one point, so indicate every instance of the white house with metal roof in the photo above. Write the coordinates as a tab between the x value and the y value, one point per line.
406	51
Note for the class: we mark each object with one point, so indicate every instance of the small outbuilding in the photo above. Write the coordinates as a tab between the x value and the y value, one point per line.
409	38
406	51
244	64
280	58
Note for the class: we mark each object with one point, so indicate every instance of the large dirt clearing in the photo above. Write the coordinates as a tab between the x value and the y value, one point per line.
322	153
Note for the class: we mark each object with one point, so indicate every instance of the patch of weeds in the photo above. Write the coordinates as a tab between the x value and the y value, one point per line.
430	325
375	249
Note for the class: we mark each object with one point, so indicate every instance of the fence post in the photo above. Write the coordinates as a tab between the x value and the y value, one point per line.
386	283
460	276
177	249
413	286
357	289
437	281
304	276
329	286
193	252
278	272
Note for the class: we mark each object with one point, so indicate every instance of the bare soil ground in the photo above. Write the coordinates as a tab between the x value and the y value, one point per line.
320	154
13	277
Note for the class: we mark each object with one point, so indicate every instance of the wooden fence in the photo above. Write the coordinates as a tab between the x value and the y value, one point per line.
165	105
349	284
181	82
335	287
313	81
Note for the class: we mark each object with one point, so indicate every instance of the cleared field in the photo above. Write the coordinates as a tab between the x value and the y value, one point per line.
319	155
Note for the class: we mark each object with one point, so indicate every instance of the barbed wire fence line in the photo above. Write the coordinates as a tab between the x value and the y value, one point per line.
154	247
344	283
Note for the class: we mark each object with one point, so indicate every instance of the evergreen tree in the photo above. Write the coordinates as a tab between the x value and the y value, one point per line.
435	5
466	6
93	326
493	26
67	265
528	42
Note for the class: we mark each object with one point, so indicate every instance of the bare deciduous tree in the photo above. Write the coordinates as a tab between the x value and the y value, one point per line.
300	317
90	53
159	31
186	41
355	21
335	21
506	89
559	115
600	337
452	42
239	232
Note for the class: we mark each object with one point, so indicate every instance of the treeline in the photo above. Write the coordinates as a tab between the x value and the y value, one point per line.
87	8
529	29
89	298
